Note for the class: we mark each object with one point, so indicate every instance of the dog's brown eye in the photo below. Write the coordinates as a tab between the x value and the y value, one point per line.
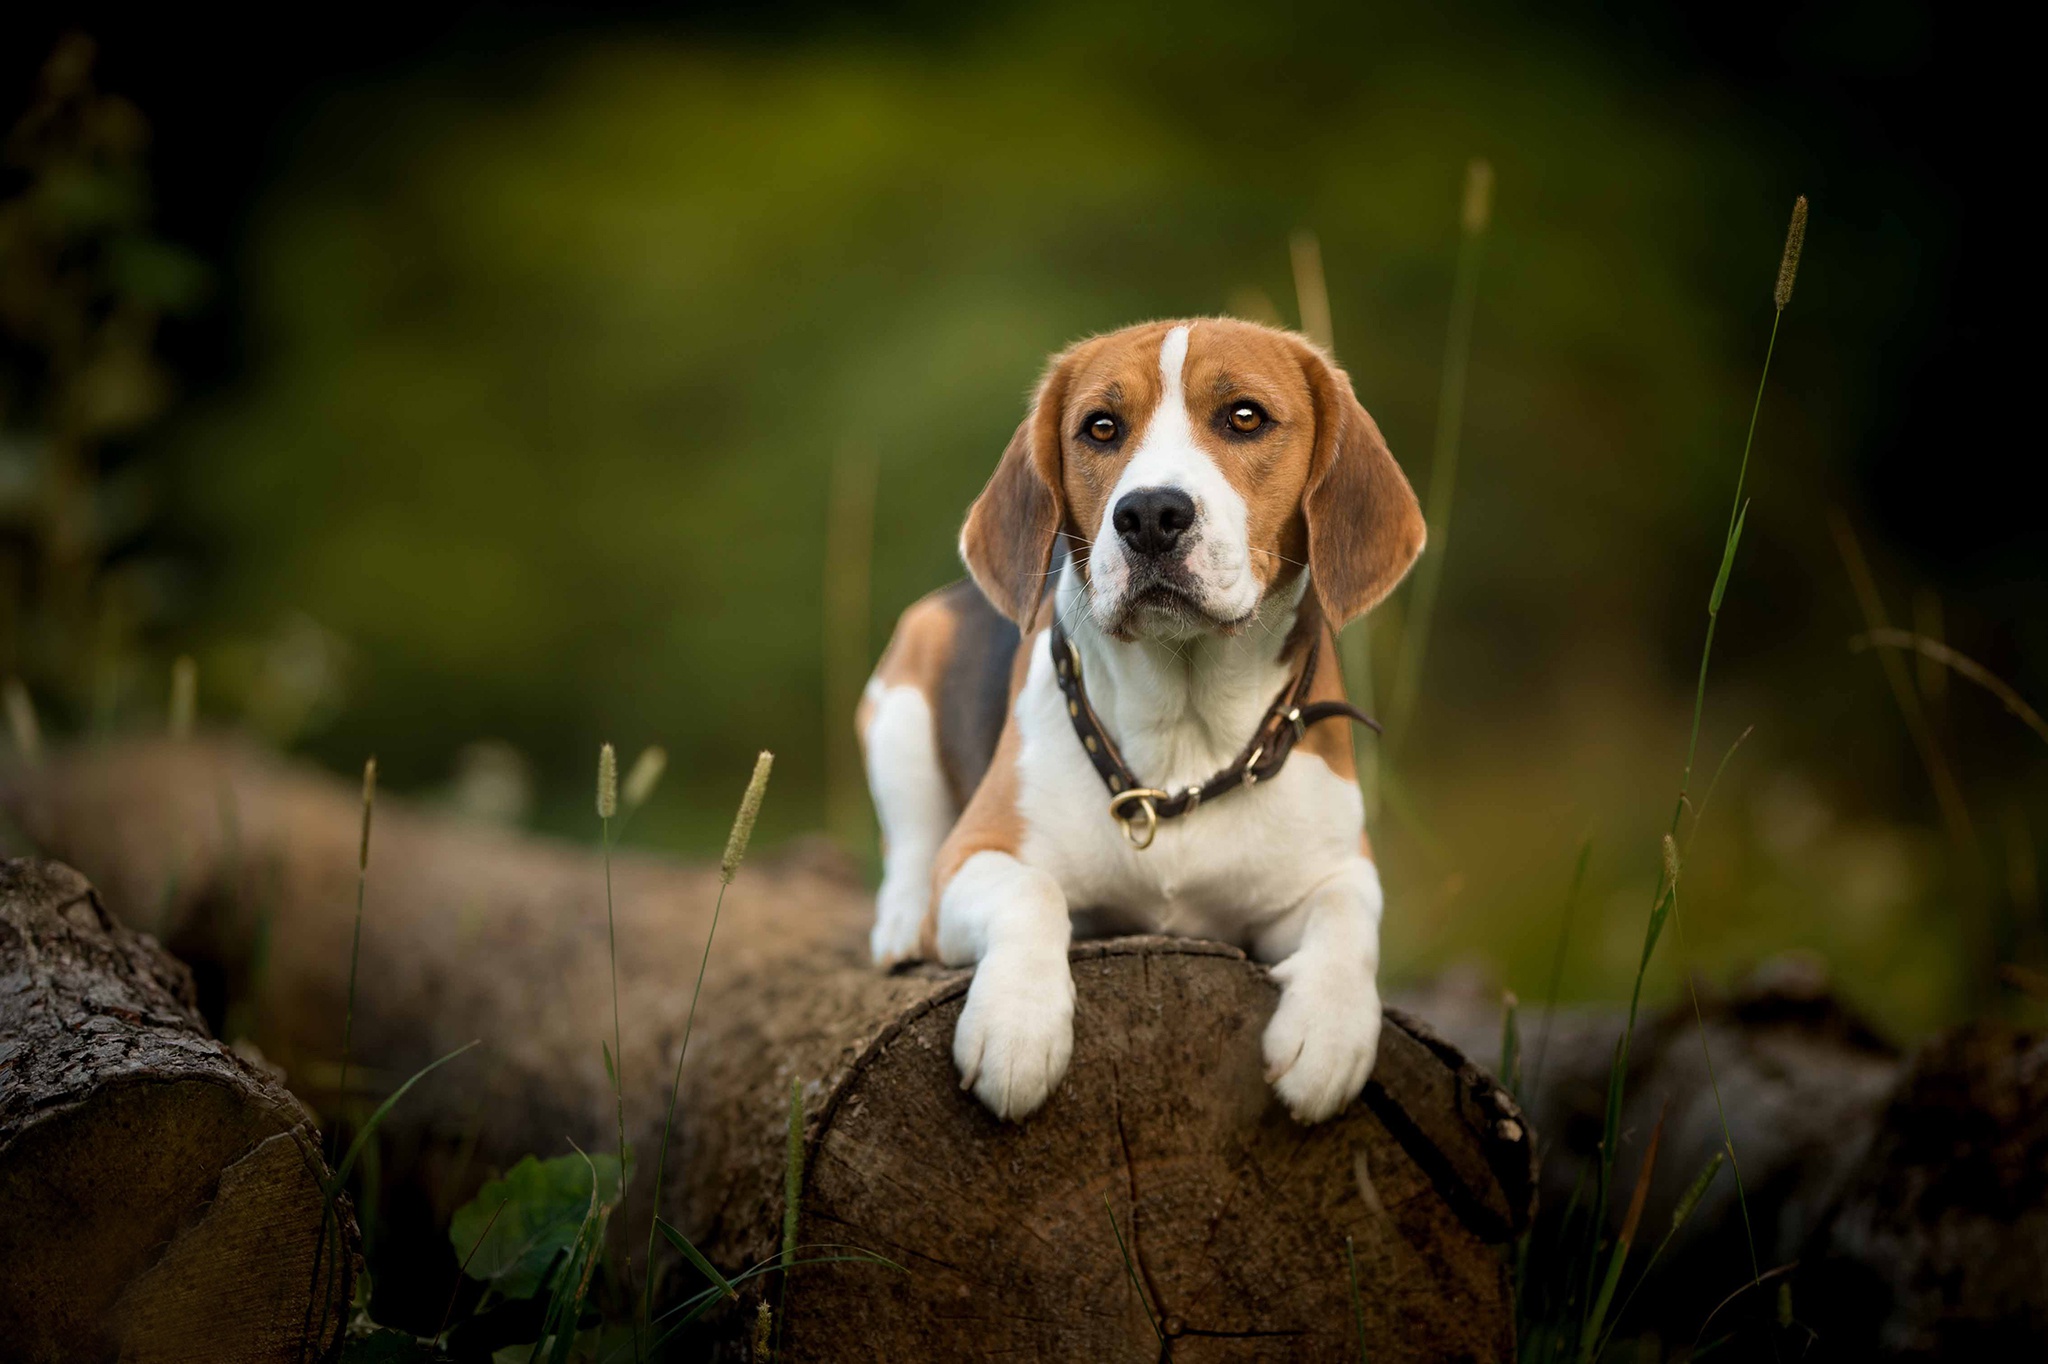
1246	418
1102	429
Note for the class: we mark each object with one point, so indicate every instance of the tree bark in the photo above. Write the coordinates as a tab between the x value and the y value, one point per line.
1237	1220
161	1198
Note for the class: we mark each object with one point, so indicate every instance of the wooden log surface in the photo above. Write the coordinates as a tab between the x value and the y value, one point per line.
1907	1192
161	1198
1237	1217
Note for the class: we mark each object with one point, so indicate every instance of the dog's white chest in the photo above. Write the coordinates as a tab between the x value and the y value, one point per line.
1220	871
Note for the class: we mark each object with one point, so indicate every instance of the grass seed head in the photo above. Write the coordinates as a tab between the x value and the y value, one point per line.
643	776
184	696
1697	1190
743	823
1670	861
607	782
369	807
1788	265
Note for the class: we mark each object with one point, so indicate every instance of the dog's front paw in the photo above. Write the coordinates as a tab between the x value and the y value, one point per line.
1320	1046
899	920
1016	1033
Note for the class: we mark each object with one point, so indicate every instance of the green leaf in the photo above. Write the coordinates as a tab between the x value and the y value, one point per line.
696	1257
545	1203
1727	561
610	1073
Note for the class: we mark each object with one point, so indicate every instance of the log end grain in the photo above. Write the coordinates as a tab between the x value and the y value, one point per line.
160	1197
1237	1218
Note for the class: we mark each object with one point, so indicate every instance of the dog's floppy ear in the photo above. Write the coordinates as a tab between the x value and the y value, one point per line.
1365	528
1008	540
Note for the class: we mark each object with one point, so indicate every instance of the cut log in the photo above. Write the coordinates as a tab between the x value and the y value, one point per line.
1237	1219
1801	1079
161	1198
1910	1194
1938	1247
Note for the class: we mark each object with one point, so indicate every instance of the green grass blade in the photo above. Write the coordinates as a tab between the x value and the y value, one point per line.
565	1310
1564	933
793	1170
1131	1269
1588	1350
1680	1215
695	1306
1357	1303
792	1196
1443	465
696	1257
355	1147
1727	562
735	851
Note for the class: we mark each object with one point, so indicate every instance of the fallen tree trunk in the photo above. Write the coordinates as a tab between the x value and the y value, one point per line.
1237	1220
1938	1246
1908	1194
160	1197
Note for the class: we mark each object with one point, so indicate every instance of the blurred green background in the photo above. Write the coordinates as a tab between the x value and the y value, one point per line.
505	418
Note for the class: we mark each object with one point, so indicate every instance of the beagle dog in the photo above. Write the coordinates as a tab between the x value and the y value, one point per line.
1178	527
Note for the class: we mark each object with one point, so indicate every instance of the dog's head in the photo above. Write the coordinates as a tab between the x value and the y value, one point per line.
1195	469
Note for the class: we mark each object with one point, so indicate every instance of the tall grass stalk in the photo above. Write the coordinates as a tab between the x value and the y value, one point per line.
355	951
1664	905
448	1312
1477	213
1311	289
1680	1215
615	1058
728	867
1354	646
849	560
1948	792
1564	933
1511	1044
21	723
1591	1335
1937	656
1357	1302
1131	1270
792	1196
184	705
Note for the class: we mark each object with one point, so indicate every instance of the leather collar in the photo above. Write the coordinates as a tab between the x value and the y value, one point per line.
1138	808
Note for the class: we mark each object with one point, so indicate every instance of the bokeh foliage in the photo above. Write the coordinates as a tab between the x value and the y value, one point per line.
549	361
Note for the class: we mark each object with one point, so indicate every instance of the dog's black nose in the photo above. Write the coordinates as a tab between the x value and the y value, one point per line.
1151	520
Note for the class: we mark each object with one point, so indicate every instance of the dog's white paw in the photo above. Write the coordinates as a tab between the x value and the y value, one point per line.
1016	1033
900	907
1320	1046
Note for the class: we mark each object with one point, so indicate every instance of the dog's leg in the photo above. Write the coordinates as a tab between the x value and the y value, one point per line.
1016	1032
900	744
1319	1048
